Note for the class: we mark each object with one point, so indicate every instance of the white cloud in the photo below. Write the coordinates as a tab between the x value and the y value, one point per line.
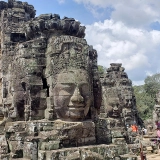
61	1
155	36
137	83
148	73
125	37
130	12
137	49
100	3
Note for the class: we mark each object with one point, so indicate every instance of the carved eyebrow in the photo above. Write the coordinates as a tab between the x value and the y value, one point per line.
82	83
65	83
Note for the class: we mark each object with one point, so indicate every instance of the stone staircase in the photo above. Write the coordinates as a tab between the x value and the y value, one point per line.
149	146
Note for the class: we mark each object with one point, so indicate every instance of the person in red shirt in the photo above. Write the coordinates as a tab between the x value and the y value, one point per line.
134	128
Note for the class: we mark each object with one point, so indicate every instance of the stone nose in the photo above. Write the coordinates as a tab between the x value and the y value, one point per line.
129	103
115	108
77	97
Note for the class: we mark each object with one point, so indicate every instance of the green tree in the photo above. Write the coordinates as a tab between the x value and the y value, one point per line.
152	84
145	95
101	69
144	102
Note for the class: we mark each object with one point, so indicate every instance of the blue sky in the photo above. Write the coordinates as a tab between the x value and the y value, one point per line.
126	32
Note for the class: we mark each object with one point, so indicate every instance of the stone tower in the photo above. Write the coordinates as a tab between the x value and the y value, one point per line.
118	110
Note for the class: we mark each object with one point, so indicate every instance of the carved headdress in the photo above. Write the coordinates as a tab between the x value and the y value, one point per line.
68	52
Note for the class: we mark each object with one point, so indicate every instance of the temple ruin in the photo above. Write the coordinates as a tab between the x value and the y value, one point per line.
118	107
54	105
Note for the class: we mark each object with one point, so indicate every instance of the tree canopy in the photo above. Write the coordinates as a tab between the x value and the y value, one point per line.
152	84
101	69
146	94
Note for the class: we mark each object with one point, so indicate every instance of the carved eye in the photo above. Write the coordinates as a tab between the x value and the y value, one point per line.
85	89
66	89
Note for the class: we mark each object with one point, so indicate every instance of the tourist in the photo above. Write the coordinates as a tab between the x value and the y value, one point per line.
144	131
158	137
134	128
158	134
157	123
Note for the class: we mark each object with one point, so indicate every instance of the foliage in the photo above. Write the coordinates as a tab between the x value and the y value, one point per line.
152	84
144	102
101	69
145	95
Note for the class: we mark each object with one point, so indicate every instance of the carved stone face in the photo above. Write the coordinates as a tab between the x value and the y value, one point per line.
72	95
128	103
113	108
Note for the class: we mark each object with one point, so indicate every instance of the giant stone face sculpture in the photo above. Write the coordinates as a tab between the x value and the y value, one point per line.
118	93
118	108
72	94
112	102
71	75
